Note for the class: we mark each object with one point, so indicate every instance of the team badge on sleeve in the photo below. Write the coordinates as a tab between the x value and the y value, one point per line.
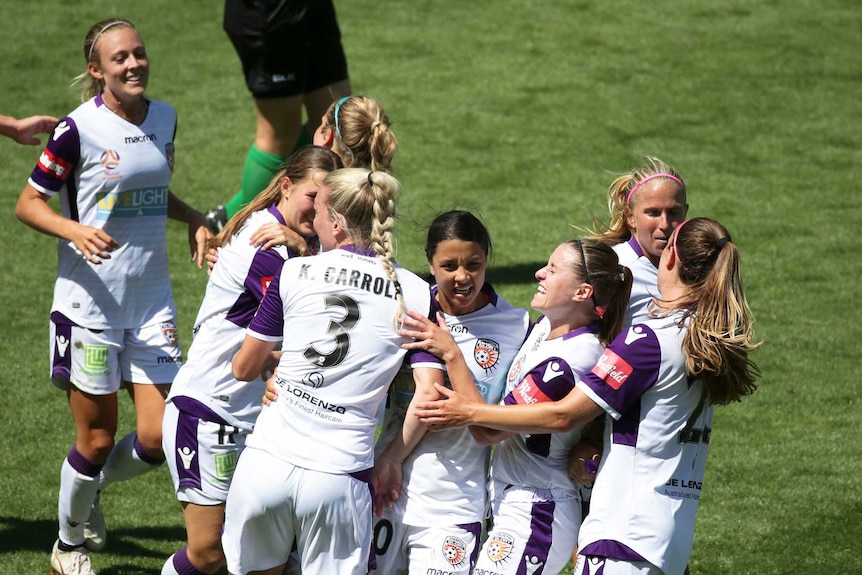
454	550
486	352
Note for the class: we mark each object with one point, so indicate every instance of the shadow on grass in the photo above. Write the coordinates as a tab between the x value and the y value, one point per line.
38	535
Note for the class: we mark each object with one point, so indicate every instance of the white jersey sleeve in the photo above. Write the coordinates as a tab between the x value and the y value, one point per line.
335	315
657	437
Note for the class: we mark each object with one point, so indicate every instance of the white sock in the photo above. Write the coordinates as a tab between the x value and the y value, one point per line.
79	484
127	459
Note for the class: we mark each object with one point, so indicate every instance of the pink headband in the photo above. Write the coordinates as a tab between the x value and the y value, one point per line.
652	177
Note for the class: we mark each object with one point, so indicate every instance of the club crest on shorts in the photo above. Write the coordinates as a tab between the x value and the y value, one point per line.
169	330
499	546
486	352
515	370
454	550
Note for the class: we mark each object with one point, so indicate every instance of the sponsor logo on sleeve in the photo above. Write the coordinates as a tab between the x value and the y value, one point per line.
528	392
264	284
56	166
612	369
61	129
635	333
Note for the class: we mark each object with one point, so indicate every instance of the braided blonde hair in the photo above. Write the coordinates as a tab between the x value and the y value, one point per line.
363	133
365	202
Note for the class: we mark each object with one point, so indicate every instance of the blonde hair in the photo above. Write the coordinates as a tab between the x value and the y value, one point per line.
363	133
301	164
365	203
721	327
620	204
90	86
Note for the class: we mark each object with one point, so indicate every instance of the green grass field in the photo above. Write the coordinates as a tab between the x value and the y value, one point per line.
523	111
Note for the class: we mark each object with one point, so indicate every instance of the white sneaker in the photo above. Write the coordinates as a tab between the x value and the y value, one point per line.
75	562
95	530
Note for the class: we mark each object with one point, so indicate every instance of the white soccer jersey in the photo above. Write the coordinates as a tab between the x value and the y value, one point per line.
656	440
234	291
334	314
113	175
444	477
544	370
645	280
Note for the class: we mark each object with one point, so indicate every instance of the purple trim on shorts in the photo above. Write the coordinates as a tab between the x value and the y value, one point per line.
83	465
186	441
610	549
145	456
182	564
61	364
364	475
540	540
194	407
476	530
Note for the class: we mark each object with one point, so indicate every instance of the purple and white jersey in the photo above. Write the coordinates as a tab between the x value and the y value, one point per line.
656	440
234	291
445	475
113	175
645	280
545	370
334	314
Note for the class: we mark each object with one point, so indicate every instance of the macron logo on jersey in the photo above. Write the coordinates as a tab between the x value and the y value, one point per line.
612	369
51	164
635	333
61	129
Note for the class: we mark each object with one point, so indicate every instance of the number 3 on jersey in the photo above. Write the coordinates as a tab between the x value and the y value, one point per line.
337	329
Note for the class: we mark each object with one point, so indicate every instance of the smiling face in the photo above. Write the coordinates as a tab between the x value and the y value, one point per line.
657	208
459	269
557	284
297	203
324	225
121	64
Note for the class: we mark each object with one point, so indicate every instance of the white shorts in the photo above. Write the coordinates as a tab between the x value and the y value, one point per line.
201	455
98	361
530	531
407	549
272	502
605	566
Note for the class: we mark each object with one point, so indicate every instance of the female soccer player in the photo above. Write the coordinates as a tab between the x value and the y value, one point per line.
645	205
583	295
209	413
304	473
435	523
658	382
112	319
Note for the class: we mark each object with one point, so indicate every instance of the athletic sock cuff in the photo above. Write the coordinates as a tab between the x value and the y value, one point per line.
146	457
83	465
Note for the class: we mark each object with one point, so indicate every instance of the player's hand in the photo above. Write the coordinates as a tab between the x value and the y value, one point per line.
427	335
199	237
386	478
211	257
584	462
275	234
271	393
449	413
93	244
27	128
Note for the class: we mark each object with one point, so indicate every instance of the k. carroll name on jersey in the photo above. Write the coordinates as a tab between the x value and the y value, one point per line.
352	278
